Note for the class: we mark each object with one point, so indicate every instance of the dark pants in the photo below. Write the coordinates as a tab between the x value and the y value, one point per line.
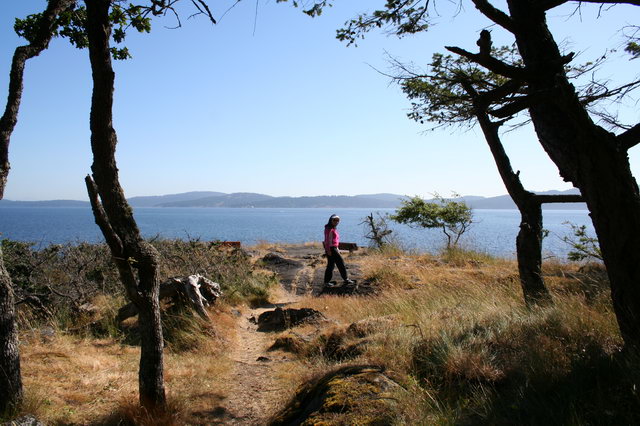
334	260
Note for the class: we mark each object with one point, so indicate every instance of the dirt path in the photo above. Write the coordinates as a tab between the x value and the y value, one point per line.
253	388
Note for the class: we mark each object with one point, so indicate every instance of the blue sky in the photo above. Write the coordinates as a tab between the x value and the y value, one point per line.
288	110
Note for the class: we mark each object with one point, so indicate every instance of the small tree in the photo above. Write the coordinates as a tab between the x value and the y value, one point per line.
583	245
453	217
378	230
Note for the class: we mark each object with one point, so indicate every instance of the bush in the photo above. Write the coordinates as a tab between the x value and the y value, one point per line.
77	286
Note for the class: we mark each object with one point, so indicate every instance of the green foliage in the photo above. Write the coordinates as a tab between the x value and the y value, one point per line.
401	17
583	245
634	49
314	10
71	24
453	217
440	97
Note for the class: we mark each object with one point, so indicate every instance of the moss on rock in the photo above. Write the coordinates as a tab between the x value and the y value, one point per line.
362	395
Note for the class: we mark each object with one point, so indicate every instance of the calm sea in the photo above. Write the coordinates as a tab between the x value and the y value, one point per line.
494	231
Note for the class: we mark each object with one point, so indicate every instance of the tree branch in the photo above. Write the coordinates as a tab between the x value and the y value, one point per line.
510	179
491	63
559	198
495	95
496	15
113	241
519	104
619	91
550	4
630	138
200	5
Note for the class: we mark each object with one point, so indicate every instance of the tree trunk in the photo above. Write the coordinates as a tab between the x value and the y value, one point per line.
10	379
589	157
529	239
114	215
529	253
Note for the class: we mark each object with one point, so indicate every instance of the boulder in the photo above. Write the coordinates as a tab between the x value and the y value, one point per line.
357	394
287	269
280	319
195	290
27	420
273	259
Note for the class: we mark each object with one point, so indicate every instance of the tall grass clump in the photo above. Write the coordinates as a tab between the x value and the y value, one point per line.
471	352
486	358
462	256
559	365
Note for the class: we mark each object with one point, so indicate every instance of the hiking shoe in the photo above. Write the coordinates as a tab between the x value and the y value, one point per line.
330	284
348	281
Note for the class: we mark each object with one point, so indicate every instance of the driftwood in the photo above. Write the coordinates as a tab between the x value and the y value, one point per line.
196	290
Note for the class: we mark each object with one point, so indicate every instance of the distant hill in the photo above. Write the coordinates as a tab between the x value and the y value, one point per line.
155	200
249	199
238	199
260	200
51	203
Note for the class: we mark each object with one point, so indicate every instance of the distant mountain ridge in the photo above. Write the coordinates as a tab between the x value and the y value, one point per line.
155	200
250	200
213	199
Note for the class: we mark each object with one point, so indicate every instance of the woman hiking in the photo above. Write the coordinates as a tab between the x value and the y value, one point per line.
331	243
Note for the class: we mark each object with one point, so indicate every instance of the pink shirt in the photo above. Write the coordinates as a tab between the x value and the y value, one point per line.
331	238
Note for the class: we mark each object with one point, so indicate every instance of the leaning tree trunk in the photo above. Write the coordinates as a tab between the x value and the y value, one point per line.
114	215
593	159
10	379
529	239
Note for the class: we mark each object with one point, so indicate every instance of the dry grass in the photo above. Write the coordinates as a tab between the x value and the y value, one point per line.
464	345
472	352
73	380
76	380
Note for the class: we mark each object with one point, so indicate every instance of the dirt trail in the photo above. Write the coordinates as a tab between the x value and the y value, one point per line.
253	390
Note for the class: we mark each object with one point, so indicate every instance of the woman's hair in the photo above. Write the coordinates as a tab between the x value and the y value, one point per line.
330	222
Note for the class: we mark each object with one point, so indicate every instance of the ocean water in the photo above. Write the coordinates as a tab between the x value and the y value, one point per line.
494	231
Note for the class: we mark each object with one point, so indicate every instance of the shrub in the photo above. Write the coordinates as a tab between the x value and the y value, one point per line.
76	286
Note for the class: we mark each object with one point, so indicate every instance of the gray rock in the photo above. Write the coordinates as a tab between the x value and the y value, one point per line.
47	333
27	420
